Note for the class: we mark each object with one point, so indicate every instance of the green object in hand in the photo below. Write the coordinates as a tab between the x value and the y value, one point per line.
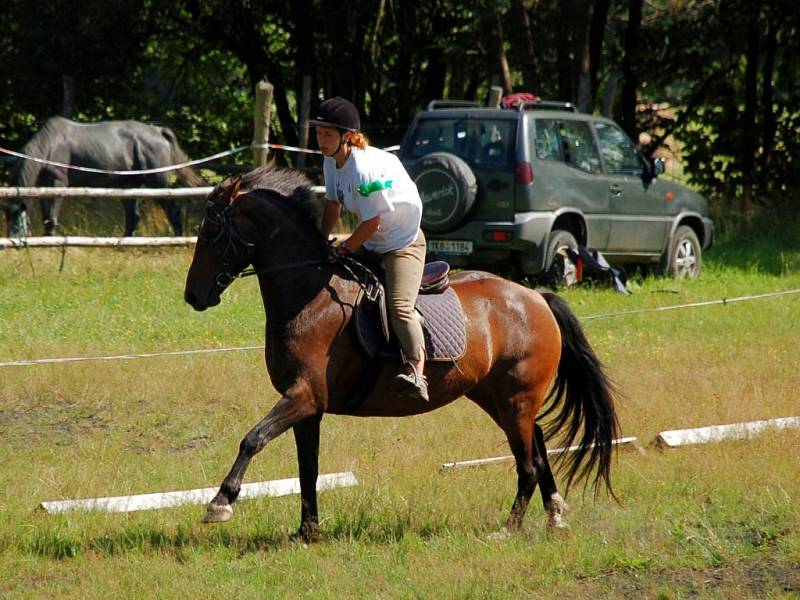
365	189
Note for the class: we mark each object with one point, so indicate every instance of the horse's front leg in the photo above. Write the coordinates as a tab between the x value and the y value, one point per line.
296	405
306	437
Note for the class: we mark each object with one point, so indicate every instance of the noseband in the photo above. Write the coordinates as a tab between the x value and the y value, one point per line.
227	230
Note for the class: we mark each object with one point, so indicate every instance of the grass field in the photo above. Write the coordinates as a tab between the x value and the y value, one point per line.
716	521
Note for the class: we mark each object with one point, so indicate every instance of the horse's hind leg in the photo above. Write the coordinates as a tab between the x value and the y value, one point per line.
132	215
174	215
296	405
530	465
553	502
51	207
517	423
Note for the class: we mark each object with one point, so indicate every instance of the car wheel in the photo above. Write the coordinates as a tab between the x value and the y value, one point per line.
447	187
561	269
684	255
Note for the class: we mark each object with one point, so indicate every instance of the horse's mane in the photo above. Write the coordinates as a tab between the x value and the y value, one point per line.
292	186
25	172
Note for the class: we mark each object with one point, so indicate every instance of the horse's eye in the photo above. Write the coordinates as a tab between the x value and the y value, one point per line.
209	228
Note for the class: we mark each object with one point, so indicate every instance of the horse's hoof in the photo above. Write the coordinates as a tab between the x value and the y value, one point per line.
218	513
306	535
557	524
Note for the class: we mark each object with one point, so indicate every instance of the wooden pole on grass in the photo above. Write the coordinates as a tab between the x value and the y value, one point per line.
263	109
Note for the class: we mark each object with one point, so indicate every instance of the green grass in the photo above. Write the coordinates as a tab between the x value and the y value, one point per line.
715	521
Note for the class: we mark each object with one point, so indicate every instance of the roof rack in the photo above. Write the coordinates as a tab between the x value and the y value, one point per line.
440	104
547	105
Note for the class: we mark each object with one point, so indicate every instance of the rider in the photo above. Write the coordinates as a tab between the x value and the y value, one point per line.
374	186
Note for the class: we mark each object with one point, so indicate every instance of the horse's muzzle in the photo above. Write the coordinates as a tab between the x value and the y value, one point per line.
193	300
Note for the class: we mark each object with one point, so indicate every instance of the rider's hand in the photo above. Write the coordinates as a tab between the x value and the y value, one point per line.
338	249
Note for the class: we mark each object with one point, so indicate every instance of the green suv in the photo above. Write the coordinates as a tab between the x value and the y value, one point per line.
511	189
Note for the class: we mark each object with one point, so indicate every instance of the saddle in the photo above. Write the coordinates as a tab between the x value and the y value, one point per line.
442	317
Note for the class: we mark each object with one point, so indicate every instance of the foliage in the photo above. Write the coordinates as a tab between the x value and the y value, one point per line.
725	66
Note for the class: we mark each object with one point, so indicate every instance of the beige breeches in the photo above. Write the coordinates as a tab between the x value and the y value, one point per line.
403	276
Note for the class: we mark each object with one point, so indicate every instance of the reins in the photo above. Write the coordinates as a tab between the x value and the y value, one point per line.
371	286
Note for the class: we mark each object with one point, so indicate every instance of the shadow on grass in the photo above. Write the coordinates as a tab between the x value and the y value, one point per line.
56	542
769	243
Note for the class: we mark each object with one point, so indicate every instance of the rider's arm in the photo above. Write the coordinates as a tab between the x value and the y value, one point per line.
362	233
330	216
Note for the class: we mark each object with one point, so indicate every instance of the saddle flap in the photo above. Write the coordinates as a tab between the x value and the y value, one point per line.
443	327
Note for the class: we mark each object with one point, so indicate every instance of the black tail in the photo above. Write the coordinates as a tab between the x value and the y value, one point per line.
187	174
586	397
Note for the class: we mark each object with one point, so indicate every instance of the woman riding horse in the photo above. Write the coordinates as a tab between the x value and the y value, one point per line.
374	185
520	344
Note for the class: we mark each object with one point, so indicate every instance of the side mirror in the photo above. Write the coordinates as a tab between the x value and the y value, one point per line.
658	166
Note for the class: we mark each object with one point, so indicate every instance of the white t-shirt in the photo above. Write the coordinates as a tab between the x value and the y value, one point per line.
372	183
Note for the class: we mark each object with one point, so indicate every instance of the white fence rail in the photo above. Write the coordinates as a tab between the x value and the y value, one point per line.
113	193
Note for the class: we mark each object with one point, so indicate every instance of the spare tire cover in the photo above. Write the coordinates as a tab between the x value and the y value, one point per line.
447	187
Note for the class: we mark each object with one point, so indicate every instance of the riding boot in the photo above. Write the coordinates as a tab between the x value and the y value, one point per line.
413	386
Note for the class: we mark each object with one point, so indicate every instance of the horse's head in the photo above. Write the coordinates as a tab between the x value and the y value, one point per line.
225	245
267	218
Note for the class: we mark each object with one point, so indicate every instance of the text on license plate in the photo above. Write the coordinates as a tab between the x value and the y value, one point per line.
450	246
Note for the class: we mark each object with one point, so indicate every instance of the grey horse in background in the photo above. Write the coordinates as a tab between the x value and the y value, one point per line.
106	145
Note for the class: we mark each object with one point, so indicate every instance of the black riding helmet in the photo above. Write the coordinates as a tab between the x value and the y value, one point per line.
339	113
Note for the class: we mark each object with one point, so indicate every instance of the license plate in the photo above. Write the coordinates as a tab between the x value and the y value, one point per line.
450	246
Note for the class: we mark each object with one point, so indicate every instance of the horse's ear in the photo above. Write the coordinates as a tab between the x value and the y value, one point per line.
233	190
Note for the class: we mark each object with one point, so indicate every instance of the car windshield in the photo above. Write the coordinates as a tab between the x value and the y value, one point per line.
480	142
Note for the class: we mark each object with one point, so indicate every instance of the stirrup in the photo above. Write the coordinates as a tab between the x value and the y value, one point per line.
413	385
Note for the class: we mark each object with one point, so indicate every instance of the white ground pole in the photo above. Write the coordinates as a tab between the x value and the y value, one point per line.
716	433
627	442
277	487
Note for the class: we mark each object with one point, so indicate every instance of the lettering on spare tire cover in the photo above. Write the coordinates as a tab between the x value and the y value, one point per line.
439	194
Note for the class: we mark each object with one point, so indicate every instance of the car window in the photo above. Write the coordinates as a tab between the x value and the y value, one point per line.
619	153
485	142
548	144
578	145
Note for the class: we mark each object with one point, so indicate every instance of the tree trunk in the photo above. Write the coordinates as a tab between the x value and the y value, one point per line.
610	93
750	106
68	99
584	78
563	51
596	36
505	71
630	82
528	50
768	124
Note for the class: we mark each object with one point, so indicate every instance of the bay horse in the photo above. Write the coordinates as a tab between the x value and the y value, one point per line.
520	344
106	145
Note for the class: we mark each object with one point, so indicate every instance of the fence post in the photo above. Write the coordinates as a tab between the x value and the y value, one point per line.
264	90
495	95
305	108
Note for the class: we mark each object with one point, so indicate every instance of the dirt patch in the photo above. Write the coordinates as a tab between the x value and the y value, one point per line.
60	424
743	579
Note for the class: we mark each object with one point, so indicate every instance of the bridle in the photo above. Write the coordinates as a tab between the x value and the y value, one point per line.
234	240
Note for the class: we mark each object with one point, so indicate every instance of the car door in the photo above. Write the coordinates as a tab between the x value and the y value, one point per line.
582	184
638	218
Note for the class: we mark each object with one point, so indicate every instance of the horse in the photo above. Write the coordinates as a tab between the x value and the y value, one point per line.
106	145
524	350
